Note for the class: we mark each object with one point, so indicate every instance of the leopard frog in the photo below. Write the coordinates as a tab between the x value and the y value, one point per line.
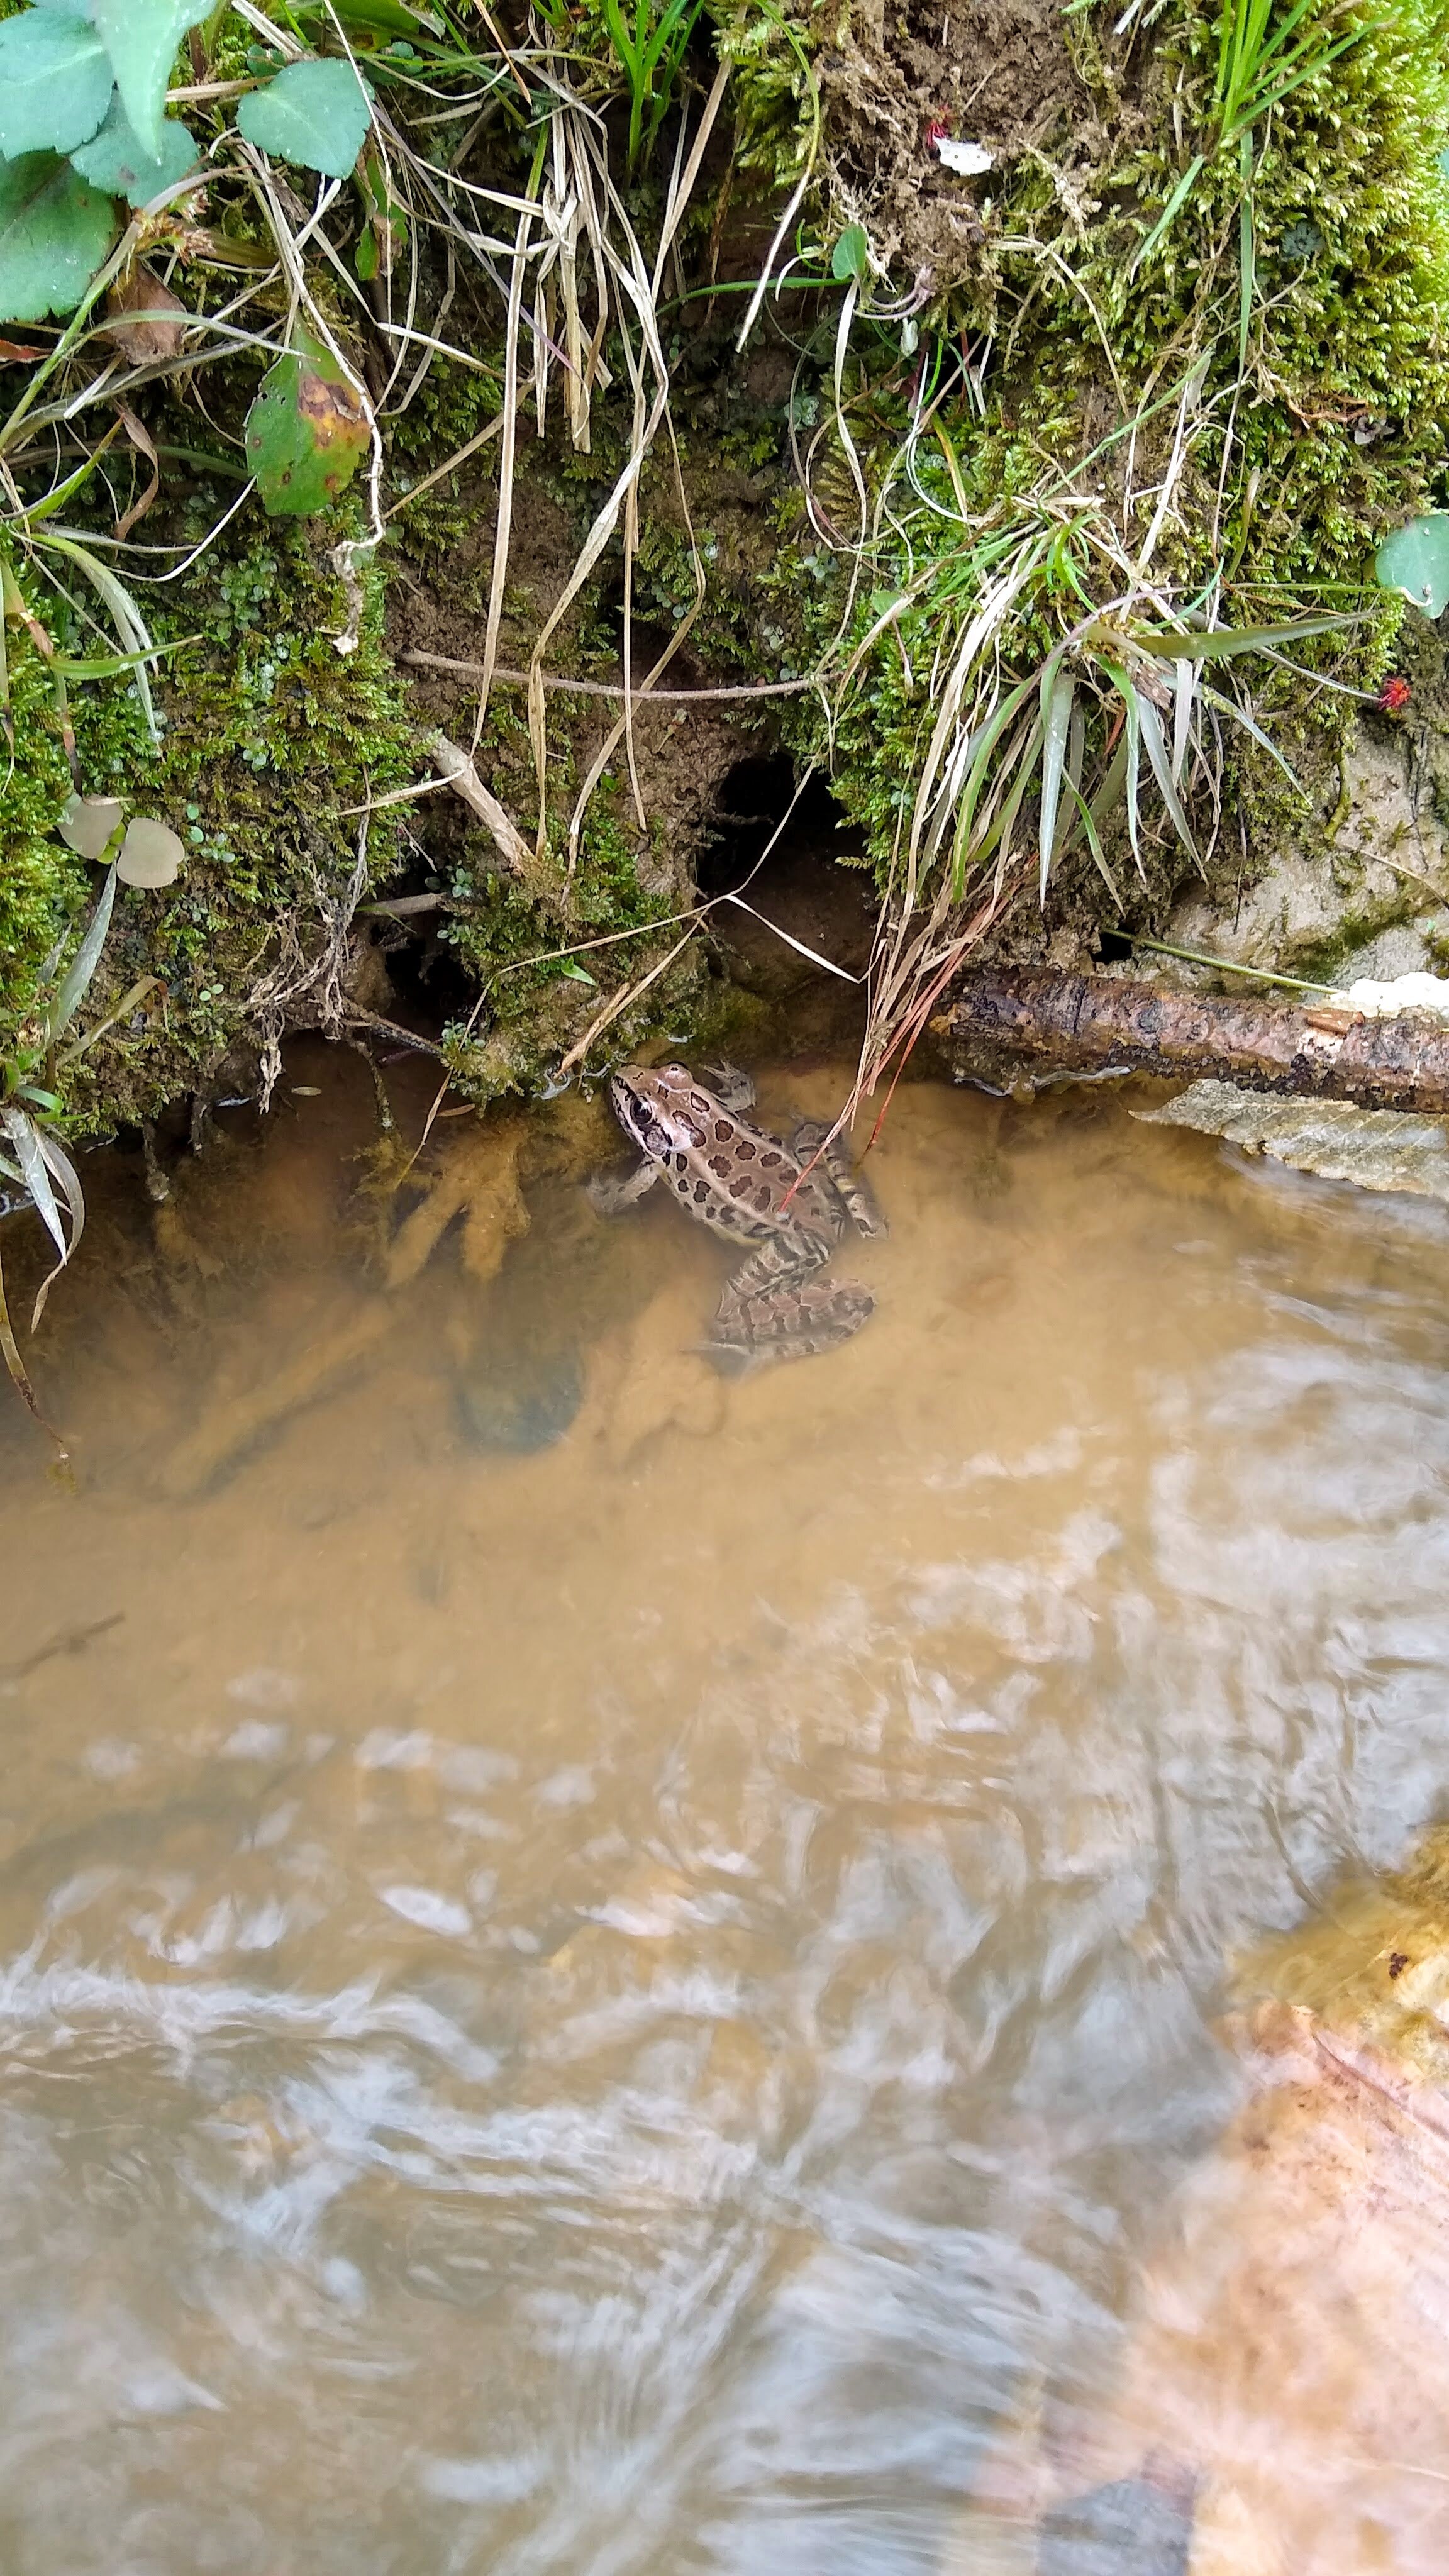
791	1202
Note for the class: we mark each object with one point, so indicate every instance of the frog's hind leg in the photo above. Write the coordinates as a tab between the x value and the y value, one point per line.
796	1324
813	1137
775	1309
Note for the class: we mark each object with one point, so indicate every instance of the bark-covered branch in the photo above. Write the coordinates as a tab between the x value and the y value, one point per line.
1087	1023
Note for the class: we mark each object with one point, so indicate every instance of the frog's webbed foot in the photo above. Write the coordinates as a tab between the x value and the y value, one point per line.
733	1088
610	1193
812	1136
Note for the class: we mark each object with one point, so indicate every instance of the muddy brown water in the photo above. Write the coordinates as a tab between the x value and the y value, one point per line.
619	2005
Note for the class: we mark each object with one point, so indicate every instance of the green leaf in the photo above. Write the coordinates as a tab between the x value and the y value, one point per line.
1157	753
85	961
851	255
125	615
55	82
117	160
1415	560
1217	643
54	234
305	434
141	37
313	113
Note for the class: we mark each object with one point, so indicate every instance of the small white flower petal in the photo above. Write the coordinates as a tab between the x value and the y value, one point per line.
967	160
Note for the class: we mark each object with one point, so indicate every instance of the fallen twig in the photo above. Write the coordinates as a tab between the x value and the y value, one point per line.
642	696
456	769
1084	1023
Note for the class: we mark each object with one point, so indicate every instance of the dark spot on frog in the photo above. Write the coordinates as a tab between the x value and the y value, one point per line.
1398	1963
720	1165
701	1194
745	1150
722	1134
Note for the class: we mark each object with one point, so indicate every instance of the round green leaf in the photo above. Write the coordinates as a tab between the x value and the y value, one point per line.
1415	560
851	255
305	433
55	82
116	160
313	113
54	233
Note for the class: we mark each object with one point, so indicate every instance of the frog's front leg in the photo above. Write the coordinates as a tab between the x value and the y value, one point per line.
733	1088
611	1192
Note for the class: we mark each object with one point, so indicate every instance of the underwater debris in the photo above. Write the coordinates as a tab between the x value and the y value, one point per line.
1376	1149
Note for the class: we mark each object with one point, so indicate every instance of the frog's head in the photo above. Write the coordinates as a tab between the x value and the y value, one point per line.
658	1106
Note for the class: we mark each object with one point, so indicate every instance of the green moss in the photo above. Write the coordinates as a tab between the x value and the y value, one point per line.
268	736
1321	959
1335	431
42	886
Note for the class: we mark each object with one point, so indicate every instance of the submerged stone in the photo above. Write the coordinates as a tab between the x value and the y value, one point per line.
520	1410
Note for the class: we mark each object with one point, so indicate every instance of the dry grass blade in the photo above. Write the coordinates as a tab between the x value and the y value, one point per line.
19	1377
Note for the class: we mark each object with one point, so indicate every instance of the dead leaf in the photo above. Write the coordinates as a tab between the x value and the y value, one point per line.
140	438
152	335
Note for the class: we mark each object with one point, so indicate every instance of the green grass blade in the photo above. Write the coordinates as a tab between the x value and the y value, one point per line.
1215	644
87	957
1247	257
1171	210
1184	689
24	1137
125	615
989	737
1153	737
59	1164
1132	750
1094	843
1240	716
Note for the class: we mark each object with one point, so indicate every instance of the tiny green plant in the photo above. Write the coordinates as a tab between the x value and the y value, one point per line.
650	47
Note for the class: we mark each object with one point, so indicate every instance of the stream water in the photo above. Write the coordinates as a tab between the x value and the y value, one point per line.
611	2005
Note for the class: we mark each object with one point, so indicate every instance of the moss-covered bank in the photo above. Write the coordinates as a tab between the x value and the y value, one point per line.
1219	418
